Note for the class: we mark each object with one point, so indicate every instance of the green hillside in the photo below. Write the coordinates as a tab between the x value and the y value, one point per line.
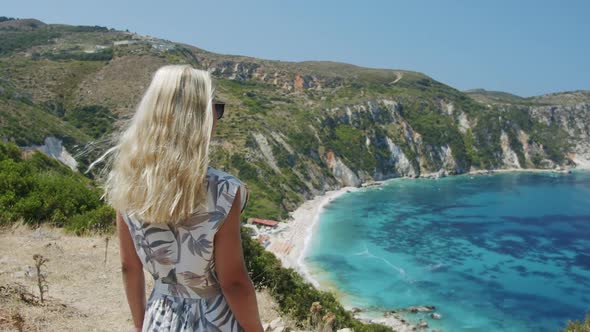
496	97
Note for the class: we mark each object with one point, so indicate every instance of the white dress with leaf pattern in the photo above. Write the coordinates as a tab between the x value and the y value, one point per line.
186	294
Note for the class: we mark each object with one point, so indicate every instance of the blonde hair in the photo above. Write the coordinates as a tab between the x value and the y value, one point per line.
160	162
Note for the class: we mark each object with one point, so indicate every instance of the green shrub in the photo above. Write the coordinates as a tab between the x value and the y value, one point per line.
40	189
94	120
349	142
246	170
487	134
22	40
100	220
436	129
4	18
577	326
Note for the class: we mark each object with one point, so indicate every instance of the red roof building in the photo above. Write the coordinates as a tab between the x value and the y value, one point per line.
263	222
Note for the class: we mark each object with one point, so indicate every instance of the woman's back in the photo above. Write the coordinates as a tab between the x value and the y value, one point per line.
177	217
187	293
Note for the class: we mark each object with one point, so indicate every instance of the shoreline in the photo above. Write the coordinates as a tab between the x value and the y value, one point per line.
439	174
291	241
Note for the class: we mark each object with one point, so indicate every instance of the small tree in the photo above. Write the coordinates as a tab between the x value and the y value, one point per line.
316	314
41	281
328	322
104	229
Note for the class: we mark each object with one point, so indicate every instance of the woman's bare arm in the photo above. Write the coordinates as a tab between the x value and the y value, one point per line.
231	270
133	278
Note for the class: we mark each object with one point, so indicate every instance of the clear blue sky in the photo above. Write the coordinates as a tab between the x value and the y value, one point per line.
520	46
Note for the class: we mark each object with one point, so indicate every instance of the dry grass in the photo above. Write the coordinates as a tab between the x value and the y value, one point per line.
120	84
47	80
84	294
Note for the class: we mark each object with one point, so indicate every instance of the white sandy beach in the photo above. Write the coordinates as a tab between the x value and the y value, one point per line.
288	243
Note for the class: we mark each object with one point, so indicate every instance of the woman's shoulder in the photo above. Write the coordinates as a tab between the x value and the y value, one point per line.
225	187
222	176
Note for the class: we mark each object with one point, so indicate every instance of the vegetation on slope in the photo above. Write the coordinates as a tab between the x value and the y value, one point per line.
38	189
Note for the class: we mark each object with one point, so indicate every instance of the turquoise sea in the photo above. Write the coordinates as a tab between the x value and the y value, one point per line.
504	252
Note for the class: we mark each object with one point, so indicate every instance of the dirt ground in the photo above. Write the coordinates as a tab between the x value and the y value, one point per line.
84	293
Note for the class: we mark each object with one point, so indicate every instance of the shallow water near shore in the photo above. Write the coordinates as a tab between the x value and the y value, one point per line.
504	252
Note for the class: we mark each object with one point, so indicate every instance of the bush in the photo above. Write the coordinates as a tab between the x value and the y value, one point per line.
4	18
578	326
487	134
19	41
94	120
246	170
100	220
349	142
436	129
40	189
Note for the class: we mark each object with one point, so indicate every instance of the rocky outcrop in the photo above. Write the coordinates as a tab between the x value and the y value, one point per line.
510	158
53	147
400	163
340	171
575	121
266	151
401	151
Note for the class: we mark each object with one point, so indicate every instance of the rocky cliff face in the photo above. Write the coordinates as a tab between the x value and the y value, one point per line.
53	147
288	80
399	150
575	121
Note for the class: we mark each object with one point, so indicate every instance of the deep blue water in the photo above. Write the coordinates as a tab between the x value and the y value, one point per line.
506	252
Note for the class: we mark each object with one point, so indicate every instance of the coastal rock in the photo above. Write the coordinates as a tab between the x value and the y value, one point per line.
389	313
547	163
426	308
423	324
435	315
371	184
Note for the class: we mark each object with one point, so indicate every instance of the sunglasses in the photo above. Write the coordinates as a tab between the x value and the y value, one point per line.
219	108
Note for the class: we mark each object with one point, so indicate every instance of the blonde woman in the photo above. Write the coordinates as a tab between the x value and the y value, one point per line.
177	217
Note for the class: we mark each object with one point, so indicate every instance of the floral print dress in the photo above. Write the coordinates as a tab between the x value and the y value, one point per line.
186	294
